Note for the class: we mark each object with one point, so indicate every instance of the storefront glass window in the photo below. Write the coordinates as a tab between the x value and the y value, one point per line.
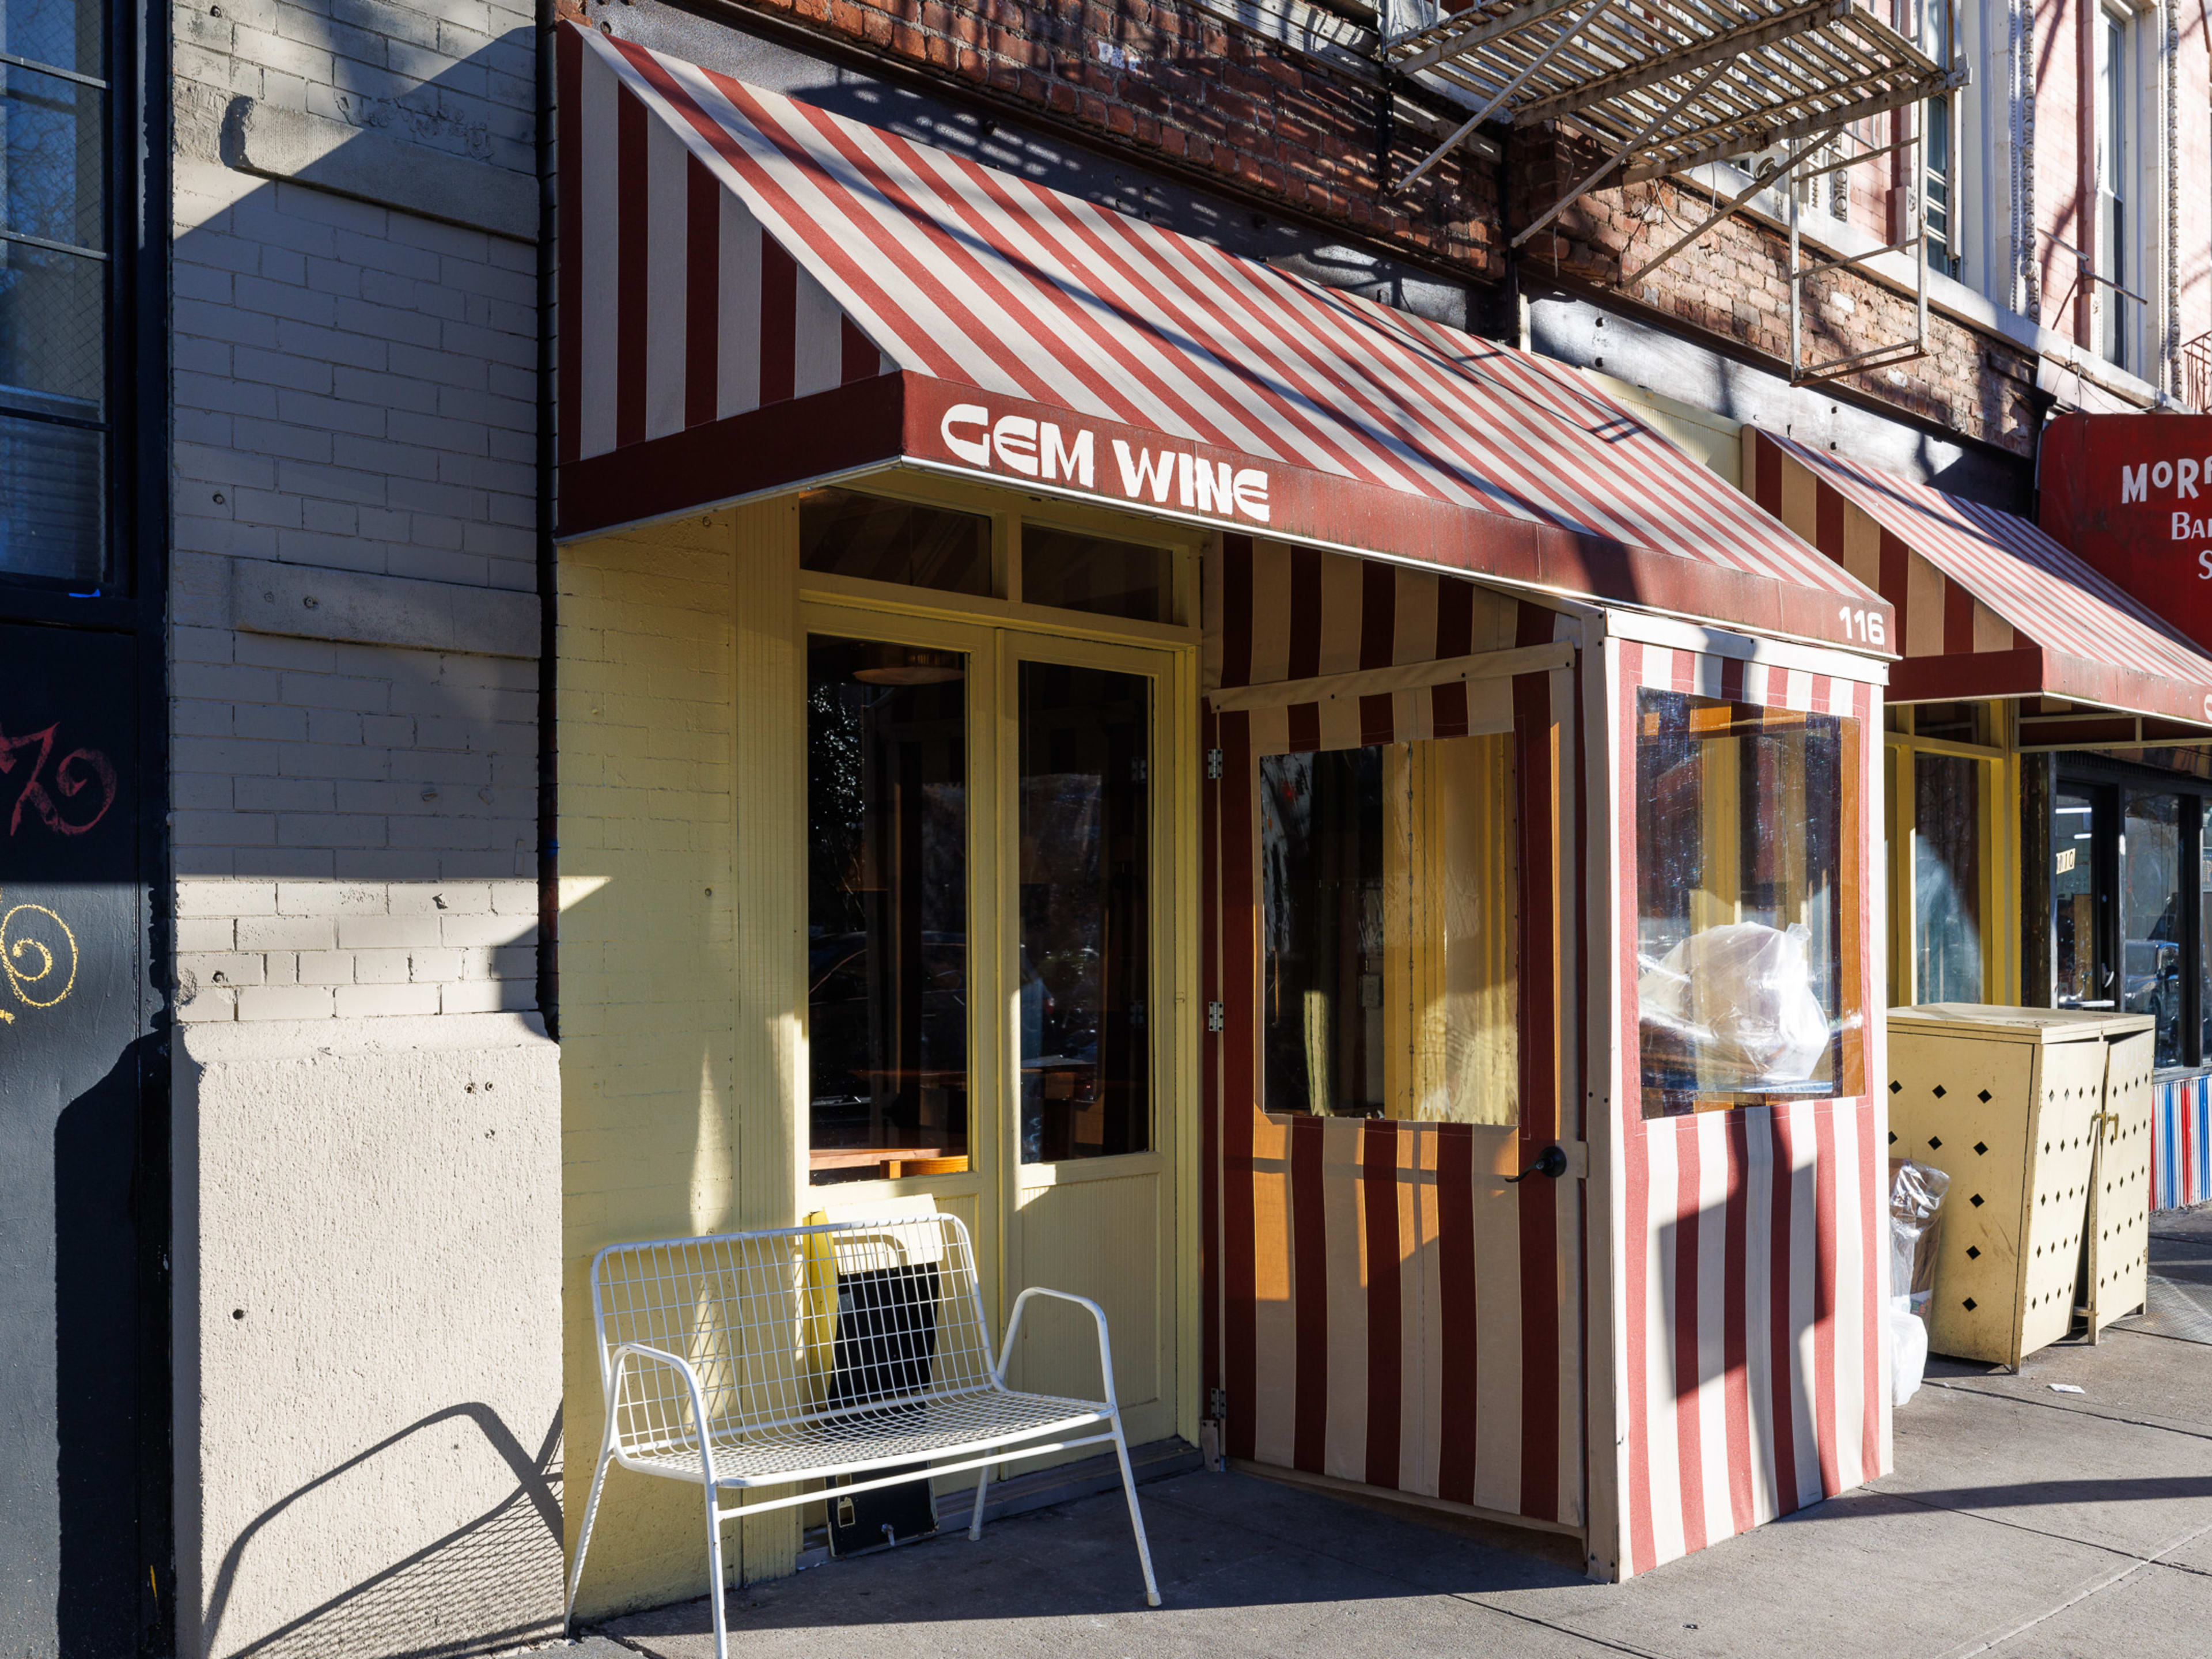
2152	937
1089	572
2078	983
2204	930
887	910
1747	820
1391	894
1947	877
1085	796
844	533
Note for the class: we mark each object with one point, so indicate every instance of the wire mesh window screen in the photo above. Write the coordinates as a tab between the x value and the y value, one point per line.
846	1323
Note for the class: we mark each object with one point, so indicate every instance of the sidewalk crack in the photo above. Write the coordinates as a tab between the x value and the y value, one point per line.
2135	1564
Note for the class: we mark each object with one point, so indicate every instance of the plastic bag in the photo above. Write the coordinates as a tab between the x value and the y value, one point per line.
1736	1004
1908	1350
1916	1217
1916	1214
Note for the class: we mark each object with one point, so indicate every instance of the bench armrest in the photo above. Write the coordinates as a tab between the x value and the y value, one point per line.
1098	1313
682	1367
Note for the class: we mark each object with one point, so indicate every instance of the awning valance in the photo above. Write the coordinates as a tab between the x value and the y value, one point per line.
755	293
1988	606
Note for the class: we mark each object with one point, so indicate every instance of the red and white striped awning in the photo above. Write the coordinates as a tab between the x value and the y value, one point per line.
1988	606
755	292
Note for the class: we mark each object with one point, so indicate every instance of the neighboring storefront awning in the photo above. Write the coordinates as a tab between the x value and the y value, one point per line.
755	293
1987	605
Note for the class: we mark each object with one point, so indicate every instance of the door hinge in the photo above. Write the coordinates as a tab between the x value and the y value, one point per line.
1217	1404
1217	1016
1137	769
1214	760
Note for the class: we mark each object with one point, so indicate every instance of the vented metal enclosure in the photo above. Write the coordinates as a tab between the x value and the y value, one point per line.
2016	1105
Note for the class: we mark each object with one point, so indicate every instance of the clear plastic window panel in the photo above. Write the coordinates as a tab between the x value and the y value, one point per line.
1391	878
1745	817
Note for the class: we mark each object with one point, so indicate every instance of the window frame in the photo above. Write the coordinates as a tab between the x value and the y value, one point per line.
2110	781
1902	746
134	483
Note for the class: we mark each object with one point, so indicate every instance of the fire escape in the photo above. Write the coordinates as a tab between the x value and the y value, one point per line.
1785	89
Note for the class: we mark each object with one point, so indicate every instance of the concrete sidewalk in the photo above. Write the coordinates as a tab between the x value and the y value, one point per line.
2021	1522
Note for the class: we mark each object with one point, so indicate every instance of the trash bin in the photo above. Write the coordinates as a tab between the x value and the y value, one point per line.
2017	1105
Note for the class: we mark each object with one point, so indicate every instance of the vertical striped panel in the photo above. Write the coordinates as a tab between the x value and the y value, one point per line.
1750	1381
1392	1312
677	308
2181	1142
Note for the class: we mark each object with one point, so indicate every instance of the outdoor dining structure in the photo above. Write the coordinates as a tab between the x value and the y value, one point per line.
1317	831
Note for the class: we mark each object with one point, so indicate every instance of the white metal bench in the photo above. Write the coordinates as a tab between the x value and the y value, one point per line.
799	1354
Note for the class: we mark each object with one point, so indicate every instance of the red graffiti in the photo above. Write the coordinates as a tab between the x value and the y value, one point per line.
78	770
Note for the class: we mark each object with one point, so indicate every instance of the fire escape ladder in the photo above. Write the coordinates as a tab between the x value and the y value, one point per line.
1664	87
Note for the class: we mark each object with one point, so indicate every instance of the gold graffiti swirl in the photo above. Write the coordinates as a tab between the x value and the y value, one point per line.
31	963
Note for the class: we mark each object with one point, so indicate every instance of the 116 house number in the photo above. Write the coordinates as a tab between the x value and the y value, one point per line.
1864	625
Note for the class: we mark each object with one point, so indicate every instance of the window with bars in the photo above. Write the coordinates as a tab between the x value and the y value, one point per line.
56	299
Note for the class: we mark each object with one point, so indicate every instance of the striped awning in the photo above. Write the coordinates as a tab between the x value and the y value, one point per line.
754	293
1988	606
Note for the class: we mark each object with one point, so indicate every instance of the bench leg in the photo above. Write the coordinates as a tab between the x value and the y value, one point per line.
1136	1515
714	1572
584	1537
976	1521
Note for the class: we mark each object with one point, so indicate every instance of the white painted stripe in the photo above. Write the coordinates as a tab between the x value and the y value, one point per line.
1664	1450
1711	1223
818	346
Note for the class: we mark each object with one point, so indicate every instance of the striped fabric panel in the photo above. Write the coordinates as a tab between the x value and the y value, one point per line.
2181	1143
1751	1381
1390	1312
1962	576
976	276
677	308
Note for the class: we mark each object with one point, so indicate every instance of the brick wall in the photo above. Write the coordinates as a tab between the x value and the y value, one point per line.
355	389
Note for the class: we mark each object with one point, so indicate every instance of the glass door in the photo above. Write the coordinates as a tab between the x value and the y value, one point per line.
1089	1195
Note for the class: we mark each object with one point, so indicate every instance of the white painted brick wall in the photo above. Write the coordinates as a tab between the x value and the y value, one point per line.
354	389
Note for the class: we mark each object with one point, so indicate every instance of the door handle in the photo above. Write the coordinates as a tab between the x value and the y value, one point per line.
1551	1162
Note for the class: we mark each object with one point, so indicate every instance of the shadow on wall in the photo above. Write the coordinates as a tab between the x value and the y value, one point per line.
482	1586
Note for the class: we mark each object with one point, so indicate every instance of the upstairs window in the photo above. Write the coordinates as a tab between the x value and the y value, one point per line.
56	299
2115	160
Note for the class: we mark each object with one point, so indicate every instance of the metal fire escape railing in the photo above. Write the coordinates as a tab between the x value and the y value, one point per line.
1663	87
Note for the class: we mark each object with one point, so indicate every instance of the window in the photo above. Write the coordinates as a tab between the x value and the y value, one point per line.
2115	157
1746	826
844	533
1085	793
1947	879
1090	572
1939	153
2153	941
1390	891
886	910
55	298
2082	978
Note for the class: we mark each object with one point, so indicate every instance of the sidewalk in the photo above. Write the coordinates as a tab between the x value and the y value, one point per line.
2022	1524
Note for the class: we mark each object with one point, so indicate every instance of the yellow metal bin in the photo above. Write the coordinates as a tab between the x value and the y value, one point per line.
2041	1117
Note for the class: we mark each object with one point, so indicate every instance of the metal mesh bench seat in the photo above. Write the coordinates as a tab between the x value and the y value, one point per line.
799	1355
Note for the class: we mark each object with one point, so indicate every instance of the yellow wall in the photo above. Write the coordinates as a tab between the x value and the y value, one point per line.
679	1042
1711	439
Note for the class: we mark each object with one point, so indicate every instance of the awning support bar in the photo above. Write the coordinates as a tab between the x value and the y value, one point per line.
1766	176
1622	153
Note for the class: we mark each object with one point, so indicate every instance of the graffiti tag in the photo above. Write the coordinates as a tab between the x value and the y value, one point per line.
38	958
81	772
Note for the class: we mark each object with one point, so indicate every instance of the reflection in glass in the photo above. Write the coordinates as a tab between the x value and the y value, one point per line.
2150	919
844	533
1947	877
1390	888
1089	572
887	910
2079	981
1085	799
1743	817
2204	928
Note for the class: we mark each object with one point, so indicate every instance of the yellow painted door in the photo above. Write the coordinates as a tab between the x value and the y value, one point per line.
1088	801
